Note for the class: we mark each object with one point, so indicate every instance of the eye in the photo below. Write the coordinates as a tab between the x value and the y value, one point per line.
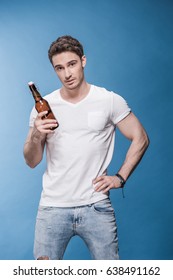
59	68
72	64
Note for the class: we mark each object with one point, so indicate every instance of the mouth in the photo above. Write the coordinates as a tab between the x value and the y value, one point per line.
69	82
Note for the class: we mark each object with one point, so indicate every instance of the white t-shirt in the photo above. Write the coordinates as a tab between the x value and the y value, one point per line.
81	147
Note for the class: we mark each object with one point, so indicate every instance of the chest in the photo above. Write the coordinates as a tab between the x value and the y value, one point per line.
82	117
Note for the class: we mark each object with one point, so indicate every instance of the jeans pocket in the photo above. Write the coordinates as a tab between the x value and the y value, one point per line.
44	213
103	207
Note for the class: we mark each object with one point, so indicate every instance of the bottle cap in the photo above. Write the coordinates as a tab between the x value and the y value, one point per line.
30	83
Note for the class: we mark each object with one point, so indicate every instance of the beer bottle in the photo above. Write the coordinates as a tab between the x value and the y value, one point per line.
41	104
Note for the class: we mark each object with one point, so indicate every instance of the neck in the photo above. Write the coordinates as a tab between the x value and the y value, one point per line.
76	94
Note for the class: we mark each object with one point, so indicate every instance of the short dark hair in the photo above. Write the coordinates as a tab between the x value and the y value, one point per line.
64	44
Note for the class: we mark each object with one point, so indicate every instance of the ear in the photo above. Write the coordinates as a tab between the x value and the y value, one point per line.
83	60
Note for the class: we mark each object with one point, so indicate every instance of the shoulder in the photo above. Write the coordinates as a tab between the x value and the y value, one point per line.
53	95
107	94
101	92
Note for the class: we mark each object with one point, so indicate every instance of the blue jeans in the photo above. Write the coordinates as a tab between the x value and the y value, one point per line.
94	223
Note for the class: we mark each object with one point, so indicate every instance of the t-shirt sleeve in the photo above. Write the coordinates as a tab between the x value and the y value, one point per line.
120	108
33	116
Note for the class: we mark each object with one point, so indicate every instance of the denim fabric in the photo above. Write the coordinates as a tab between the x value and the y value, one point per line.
94	223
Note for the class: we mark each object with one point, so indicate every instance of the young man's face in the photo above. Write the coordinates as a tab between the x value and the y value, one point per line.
69	68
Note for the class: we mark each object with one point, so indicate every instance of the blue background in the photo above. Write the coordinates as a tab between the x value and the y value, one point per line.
129	49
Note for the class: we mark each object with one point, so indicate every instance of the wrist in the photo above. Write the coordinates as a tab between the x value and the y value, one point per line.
37	136
122	180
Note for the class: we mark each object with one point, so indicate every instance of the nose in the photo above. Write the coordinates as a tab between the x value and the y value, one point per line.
67	74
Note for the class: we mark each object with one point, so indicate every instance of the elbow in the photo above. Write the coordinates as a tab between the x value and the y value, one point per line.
147	141
31	162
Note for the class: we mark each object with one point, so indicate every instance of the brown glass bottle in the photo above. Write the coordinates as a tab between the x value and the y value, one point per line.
41	104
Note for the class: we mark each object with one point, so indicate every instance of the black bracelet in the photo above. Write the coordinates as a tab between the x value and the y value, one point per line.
122	181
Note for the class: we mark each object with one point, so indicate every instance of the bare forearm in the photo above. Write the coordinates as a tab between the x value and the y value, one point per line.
134	156
33	148
131	128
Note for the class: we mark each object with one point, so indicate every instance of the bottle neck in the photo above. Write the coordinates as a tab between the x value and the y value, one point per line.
35	93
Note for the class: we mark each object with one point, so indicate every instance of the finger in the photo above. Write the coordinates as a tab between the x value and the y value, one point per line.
49	125
111	185
48	122
42	114
45	128
107	187
45	122
105	184
106	190
98	179
46	131
101	187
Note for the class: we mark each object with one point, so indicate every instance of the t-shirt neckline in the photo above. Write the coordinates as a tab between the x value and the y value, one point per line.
79	102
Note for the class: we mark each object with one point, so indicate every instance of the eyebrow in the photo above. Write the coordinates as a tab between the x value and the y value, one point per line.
60	65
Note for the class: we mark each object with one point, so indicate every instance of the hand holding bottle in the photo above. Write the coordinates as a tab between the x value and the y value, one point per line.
42	106
43	124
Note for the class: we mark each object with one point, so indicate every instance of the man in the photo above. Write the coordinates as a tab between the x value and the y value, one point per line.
75	197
